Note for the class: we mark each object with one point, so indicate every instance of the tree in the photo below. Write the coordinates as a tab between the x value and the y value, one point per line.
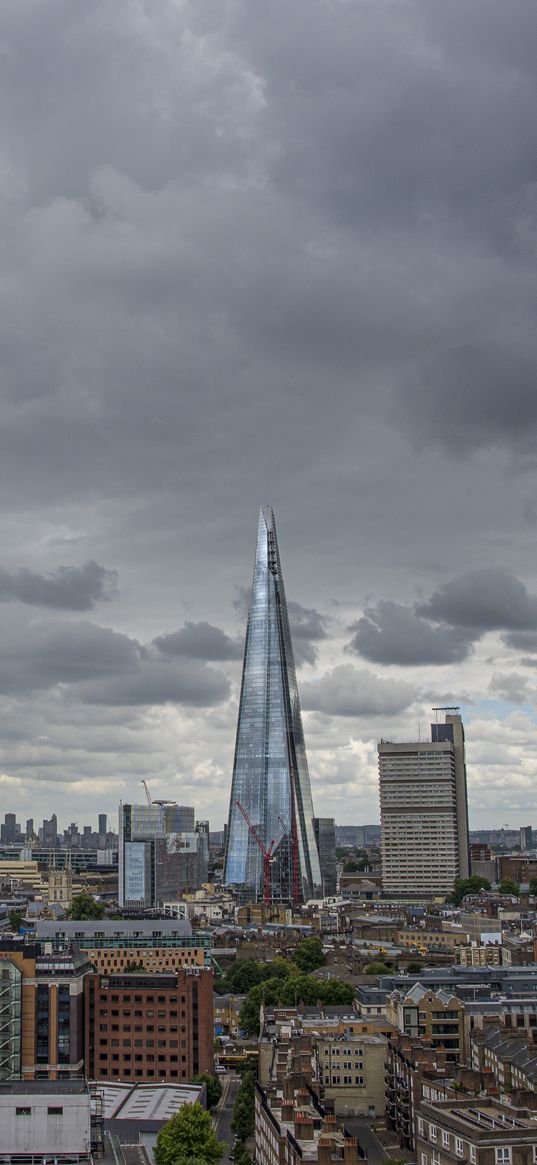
243	975
414	968
464	886
376	969
85	907
189	1134
214	1087
243	1121
15	919
290	992
309	954
509	886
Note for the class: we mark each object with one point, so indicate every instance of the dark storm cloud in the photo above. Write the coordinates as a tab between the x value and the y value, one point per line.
46	654
488	599
477	395
69	588
521	640
391	633
346	691
192	685
276	252
98	665
199	641
306	623
512	688
308	627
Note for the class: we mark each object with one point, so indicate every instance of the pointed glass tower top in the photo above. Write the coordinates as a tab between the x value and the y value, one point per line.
270	848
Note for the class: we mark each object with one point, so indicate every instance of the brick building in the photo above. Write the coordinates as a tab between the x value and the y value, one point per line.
149	1027
291	1128
437	1016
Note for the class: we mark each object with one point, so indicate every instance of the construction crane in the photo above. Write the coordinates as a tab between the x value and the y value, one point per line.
147	793
267	853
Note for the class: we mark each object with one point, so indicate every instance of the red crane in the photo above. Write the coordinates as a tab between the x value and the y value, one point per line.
267	853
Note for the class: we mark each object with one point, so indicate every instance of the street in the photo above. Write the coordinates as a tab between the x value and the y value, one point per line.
224	1111
360	1128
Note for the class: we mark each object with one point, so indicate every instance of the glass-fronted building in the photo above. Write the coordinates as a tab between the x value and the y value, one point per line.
270	844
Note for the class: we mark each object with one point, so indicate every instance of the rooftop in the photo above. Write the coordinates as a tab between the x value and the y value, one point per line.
148	1102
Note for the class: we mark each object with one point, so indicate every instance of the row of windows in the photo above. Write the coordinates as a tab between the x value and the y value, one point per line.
126	1014
145	1072
149	1058
171	1000
52	1110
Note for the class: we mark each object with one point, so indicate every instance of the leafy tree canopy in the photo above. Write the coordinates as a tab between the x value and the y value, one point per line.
376	969
85	907
189	1135
15	919
243	1121
309	954
290	992
464	886
214	1087
509	886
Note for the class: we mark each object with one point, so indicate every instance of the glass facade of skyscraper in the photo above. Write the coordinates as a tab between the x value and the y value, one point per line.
271	799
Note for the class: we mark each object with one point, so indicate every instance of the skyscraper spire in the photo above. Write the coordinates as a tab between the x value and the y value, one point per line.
270	849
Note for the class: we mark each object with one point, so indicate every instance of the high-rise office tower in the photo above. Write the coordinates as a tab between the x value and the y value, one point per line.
526	837
270	844
102	825
324	829
424	810
158	861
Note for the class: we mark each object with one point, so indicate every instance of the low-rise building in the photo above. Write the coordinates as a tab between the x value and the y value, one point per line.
291	1127
479	954
351	1073
45	1121
478	1131
152	945
436	1016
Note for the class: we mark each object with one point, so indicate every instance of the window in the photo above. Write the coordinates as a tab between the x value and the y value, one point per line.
23	1112
432	1132
504	1154
54	1110
420	1126
445	1139
473	1154
459	1147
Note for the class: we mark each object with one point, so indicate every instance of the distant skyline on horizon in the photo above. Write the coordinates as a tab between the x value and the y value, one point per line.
279	253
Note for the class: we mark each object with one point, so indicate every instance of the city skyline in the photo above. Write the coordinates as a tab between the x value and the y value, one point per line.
285	259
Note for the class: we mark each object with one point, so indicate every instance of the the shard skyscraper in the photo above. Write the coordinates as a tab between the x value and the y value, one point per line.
270	846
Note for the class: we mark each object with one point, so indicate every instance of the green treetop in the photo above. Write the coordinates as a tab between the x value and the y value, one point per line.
188	1135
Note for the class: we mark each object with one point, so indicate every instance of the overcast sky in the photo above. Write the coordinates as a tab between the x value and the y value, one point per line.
262	253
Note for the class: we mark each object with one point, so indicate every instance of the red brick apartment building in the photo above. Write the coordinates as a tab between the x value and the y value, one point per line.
149	1027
